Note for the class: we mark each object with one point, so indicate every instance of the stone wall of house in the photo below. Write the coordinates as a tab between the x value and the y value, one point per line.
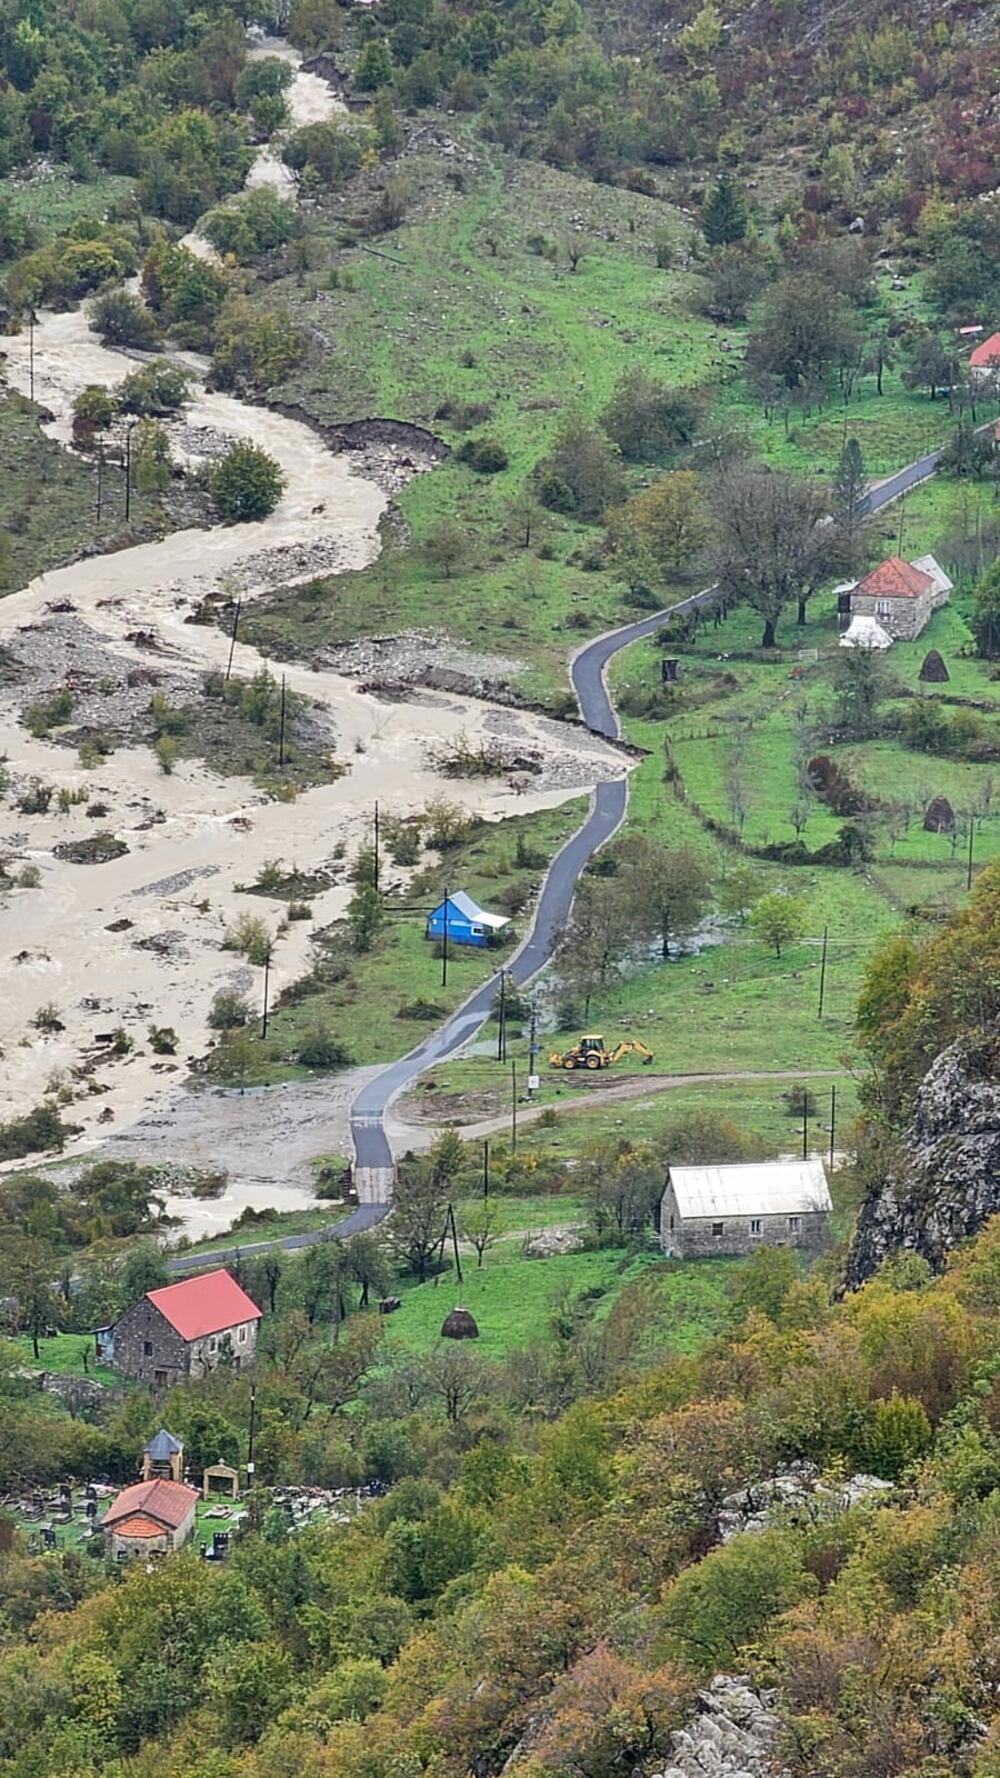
143	1324
126	1549
697	1237
206	1354
904	619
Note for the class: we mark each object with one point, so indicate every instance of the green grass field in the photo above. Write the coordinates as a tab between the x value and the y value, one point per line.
272	1228
512	1298
57	201
63	1354
365	1005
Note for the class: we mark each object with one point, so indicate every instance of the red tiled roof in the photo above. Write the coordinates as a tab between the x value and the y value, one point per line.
138	1526
167	1502
895	579
205	1305
987	353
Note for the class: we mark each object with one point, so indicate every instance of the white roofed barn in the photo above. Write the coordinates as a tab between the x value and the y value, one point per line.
710	1211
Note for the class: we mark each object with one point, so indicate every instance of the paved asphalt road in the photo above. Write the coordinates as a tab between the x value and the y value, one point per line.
606	814
365	1217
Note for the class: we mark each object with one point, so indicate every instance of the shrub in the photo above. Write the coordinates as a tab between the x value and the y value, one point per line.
485	455
36	799
121	1043
122	320
246	484
47	1019
228	1012
157	389
319	1049
425	1010
299	910
166	753
249	934
447	824
163	1040
40	1129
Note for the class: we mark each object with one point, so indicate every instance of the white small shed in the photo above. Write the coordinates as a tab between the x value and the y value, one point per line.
710	1211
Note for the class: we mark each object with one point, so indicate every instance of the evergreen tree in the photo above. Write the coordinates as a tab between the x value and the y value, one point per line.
374	66
724	214
850	496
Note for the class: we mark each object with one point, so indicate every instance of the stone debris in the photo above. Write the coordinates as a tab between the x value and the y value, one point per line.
798	1493
110	694
733	1734
420	657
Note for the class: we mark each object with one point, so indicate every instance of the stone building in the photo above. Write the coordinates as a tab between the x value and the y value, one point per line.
707	1212
901	596
184	1330
163	1457
149	1519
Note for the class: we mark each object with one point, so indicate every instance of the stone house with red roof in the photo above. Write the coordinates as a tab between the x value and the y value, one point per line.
984	362
149	1519
183	1330
901	596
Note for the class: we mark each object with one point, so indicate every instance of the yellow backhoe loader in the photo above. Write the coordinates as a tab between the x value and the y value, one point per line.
592	1052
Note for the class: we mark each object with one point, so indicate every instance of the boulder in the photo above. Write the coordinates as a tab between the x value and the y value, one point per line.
547	1243
731	1735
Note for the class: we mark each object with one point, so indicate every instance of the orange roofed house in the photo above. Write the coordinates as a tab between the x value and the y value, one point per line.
901	596
984	362
149	1519
184	1330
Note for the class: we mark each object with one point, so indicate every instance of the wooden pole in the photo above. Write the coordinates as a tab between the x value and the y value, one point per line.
972	833
267	974
822	973
454	1241
833	1122
232	639
100	478
444	944
31	355
502	1019
376	872
805	1123
486	1169
281	731
513	1107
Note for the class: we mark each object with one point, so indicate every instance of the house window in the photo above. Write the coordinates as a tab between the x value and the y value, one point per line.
147	1348
793	1224
755	1225
671	1225
211	1344
243	1334
476	931
883	608
717	1228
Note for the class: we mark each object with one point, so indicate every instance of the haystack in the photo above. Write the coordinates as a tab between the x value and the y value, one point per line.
459	1325
939	816
934	671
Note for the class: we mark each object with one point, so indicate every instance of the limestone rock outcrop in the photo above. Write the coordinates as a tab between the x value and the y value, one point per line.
733	1734
947	1183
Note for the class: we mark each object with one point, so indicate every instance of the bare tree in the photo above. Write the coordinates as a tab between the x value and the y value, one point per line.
775	542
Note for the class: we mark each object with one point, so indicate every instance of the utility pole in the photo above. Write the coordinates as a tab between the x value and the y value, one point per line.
232	639
486	1169
513	1107
130	428
376	848
502	1019
267	973
281	729
253	1428
100	478
972	835
532	1049
822	972
444	945
833	1122
805	1123
902	515
31	354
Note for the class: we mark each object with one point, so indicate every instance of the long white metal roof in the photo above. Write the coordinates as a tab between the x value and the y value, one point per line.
772	1188
461	900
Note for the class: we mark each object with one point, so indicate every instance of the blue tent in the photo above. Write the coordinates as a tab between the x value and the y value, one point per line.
467	923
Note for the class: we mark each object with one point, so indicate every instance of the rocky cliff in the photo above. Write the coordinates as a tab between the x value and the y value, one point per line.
948	1182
